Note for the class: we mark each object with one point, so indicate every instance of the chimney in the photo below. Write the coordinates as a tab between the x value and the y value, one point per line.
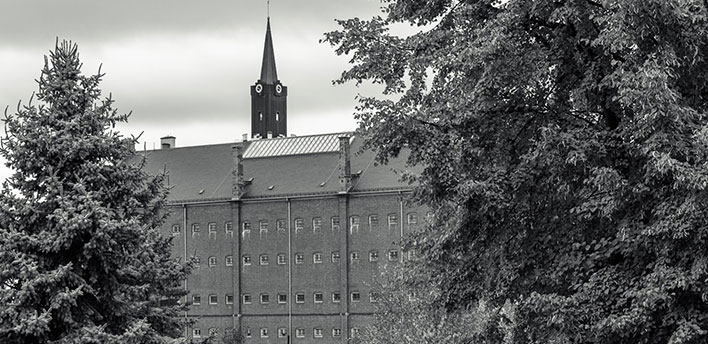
167	142
238	185
345	170
270	134
245	137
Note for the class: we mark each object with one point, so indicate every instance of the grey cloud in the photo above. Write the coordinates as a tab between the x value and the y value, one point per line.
35	21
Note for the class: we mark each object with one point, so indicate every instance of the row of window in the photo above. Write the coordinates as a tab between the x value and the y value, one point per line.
282	298
282	332
299	225
281	259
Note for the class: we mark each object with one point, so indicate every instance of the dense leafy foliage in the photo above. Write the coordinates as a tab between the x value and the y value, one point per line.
407	313
564	148
81	259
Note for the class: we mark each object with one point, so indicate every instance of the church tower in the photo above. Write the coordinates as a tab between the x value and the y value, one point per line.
269	110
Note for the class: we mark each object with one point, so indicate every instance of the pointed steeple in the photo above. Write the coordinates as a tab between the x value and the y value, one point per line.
268	73
269	98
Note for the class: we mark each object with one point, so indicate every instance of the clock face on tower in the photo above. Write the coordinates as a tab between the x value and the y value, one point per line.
259	88
278	88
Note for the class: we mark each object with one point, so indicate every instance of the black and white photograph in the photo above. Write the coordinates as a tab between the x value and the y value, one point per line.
354	171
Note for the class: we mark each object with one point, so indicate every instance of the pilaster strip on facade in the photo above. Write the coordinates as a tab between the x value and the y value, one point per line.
236	270
344	230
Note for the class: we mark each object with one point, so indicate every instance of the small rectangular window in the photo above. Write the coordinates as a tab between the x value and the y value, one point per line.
316	225
246	299
280	226
412	218
299	225
374	256
392	222
196	300
282	298
300	298
213	299
300	332
336	332
195	229
265	299
229	229
263	226
373	297
282	260
196	333
411	254
264	332
248	332
246	230
354	256
335	223
335	257
317	258
229	260
263	259
212	230
197	261
175	230
282	332
353	224
356	297
229	299
336	297
246	259
212	262
373	222
354	332
393	255
299	258
318	297
317	333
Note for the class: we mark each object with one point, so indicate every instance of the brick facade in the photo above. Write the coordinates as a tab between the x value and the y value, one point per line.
292	249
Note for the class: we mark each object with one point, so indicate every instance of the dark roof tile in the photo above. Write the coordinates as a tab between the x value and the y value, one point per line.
201	173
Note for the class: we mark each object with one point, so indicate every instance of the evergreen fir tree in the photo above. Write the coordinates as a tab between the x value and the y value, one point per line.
81	258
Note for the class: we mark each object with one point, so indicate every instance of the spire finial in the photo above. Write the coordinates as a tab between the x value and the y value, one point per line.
268	9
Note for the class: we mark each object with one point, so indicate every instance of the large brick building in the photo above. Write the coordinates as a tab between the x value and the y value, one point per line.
290	232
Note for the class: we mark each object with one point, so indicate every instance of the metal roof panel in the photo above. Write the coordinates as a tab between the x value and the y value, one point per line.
284	146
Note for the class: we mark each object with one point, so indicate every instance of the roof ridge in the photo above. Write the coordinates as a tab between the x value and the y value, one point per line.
301	136
185	147
351	133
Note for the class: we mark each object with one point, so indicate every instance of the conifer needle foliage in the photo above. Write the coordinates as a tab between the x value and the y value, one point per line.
81	259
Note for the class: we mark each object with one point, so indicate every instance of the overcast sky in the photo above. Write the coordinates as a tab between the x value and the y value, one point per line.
184	67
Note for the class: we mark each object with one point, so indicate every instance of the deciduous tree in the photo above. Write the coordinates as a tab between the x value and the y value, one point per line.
407	312
81	259
564	148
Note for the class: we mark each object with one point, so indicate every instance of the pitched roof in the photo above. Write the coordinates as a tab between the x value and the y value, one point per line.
269	75
202	173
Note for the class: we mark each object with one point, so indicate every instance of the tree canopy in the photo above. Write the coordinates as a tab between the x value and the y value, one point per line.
81	259
563	146
407	313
